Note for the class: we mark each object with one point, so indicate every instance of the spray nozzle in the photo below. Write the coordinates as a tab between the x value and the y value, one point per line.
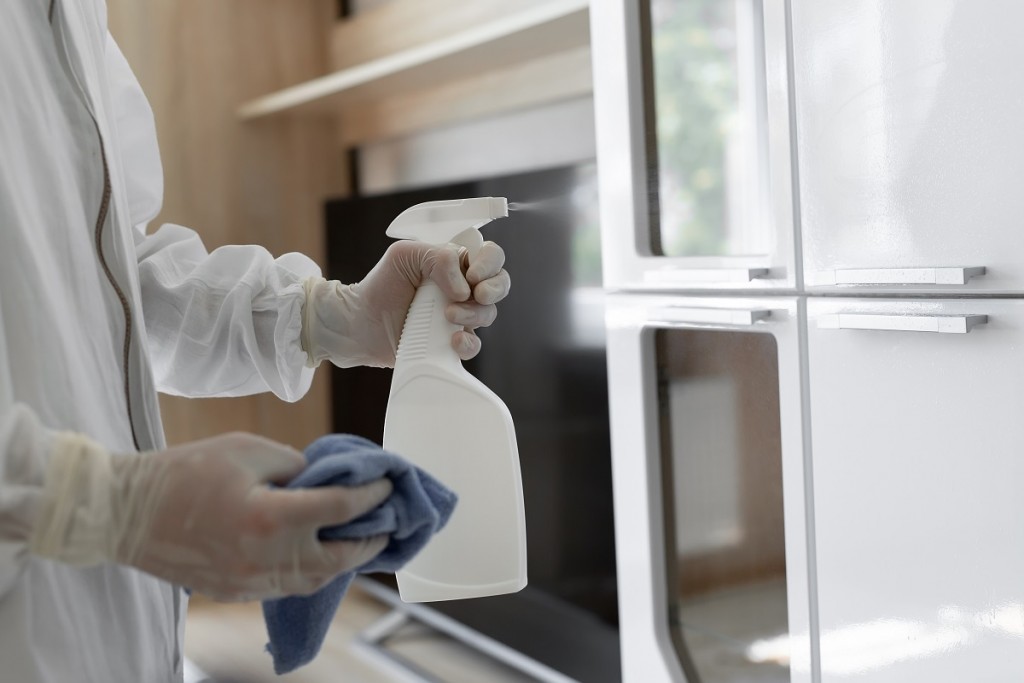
454	221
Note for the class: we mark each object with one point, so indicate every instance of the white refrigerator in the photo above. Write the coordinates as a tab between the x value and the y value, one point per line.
813	236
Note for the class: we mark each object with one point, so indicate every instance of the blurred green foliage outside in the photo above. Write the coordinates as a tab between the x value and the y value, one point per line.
694	59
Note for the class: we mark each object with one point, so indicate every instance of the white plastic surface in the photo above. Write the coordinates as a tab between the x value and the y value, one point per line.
917	474
909	139
449	423
444	221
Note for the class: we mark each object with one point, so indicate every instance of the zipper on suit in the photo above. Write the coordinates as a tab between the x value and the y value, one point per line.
101	220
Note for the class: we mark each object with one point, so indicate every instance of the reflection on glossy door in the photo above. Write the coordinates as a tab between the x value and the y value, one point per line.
722	478
911	150
917	438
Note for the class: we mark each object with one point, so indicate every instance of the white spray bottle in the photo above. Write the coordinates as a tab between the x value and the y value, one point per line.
448	422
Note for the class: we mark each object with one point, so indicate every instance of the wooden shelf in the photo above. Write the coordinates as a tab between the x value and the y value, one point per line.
554	27
533	83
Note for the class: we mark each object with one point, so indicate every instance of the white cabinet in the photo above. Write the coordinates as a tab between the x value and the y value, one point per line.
709	485
909	148
693	137
917	438
910	144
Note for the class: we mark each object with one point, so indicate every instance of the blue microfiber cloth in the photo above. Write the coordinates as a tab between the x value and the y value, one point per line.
417	509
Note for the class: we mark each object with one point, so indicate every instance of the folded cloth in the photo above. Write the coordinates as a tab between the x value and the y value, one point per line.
418	508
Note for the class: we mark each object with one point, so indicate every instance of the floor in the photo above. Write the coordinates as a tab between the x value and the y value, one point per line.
721	630
226	643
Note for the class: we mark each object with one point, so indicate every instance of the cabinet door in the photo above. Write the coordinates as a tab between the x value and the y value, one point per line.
693	142
708	476
917	423
910	143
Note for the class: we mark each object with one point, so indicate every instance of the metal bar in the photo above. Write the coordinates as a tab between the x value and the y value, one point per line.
474	639
678	315
683	275
905	276
942	324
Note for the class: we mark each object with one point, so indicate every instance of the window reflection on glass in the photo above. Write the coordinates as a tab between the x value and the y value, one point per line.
586	311
707	59
722	478
586	237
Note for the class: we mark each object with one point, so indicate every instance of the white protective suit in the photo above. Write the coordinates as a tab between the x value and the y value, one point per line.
95	318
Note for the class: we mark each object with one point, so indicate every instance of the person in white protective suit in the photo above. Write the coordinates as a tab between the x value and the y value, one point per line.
100	523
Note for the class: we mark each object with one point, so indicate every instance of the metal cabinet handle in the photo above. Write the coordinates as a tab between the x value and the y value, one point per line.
678	315
903	276
698	275
943	324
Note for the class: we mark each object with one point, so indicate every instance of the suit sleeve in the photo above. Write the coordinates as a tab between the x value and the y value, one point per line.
220	323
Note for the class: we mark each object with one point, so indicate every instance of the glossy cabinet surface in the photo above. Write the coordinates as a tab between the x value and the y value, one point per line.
904	155
917	437
693	139
677	413
909	144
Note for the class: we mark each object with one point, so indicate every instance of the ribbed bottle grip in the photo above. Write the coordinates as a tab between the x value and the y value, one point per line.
427	333
416	331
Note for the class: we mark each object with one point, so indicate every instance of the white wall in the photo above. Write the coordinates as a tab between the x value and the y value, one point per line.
553	135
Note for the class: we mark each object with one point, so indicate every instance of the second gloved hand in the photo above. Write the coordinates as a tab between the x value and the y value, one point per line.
201	515
361	324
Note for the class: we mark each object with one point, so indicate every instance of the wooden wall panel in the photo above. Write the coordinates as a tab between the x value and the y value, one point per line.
237	183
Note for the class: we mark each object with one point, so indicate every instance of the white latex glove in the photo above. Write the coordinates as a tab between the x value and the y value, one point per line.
201	515
361	324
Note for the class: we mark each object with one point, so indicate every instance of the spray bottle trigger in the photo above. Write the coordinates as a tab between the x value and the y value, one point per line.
471	239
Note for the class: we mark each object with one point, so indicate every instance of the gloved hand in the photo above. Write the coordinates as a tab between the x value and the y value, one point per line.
360	324
201	515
